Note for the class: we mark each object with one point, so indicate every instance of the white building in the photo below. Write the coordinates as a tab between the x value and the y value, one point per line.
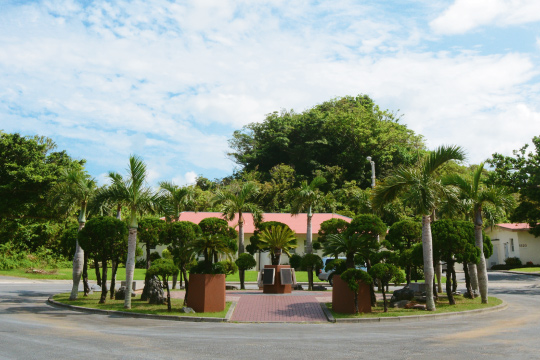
513	240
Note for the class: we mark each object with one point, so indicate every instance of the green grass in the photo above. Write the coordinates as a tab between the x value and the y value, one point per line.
65	274
442	306
137	306
527	269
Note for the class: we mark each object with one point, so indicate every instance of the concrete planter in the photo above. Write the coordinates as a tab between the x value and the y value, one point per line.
206	292
277	288
343	297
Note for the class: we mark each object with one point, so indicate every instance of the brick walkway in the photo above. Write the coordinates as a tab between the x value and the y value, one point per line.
259	307
254	306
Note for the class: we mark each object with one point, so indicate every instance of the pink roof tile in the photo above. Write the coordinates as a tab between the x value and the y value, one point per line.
515	226
297	223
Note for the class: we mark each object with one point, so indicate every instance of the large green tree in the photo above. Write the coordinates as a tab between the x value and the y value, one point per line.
521	172
177	199
422	191
337	132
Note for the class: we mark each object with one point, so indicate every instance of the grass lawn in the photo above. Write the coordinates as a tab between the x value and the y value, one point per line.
65	274
442	306
527	269
137	306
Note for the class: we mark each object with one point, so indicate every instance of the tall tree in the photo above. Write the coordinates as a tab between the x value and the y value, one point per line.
337	132
305	198
421	191
237	199
478	195
76	189
177	198
133	191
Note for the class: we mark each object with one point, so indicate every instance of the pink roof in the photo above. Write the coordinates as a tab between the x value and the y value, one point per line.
297	223
516	226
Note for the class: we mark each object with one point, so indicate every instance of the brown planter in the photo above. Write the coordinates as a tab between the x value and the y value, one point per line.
277	288
343	297
206	292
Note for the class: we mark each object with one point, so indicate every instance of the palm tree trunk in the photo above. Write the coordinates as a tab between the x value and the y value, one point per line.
130	266
438	273
481	268
78	263
309	235
474	278
428	262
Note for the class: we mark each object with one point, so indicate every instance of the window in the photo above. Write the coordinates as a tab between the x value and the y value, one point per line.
512	244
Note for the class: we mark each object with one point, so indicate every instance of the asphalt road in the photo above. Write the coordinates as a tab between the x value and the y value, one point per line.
31	329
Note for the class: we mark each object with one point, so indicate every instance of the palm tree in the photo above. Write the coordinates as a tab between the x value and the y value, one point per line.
305	198
139	198
76	189
477	195
421	191
278	240
238	199
177	198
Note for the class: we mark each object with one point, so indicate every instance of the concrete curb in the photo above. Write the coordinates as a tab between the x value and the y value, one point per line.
412	318
327	313
144	316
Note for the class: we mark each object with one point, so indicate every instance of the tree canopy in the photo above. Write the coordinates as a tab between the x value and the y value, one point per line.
340	132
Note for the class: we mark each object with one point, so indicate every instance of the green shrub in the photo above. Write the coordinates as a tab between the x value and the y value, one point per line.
295	261
513	261
245	261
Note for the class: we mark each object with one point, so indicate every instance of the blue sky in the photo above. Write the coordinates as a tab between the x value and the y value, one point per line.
170	81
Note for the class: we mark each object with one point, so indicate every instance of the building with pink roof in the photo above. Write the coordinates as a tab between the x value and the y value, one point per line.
297	223
513	240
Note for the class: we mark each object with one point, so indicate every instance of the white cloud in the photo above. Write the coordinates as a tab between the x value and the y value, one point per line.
465	15
170	82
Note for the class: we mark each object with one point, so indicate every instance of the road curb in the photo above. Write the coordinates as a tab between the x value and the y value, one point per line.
144	316
327	313
412	318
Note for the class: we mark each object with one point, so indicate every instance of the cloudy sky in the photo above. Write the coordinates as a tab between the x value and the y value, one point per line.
171	80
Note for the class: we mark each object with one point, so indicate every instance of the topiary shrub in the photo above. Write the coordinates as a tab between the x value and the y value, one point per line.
513	261
295	261
245	262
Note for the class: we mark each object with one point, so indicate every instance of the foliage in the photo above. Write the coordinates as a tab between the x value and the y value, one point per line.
104	237
295	261
148	231
521	172
311	261
331	226
454	239
513	261
277	239
28	170
245	261
338	265
163	268
176	199
335	133
253	247
220	267
16	257
403	234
